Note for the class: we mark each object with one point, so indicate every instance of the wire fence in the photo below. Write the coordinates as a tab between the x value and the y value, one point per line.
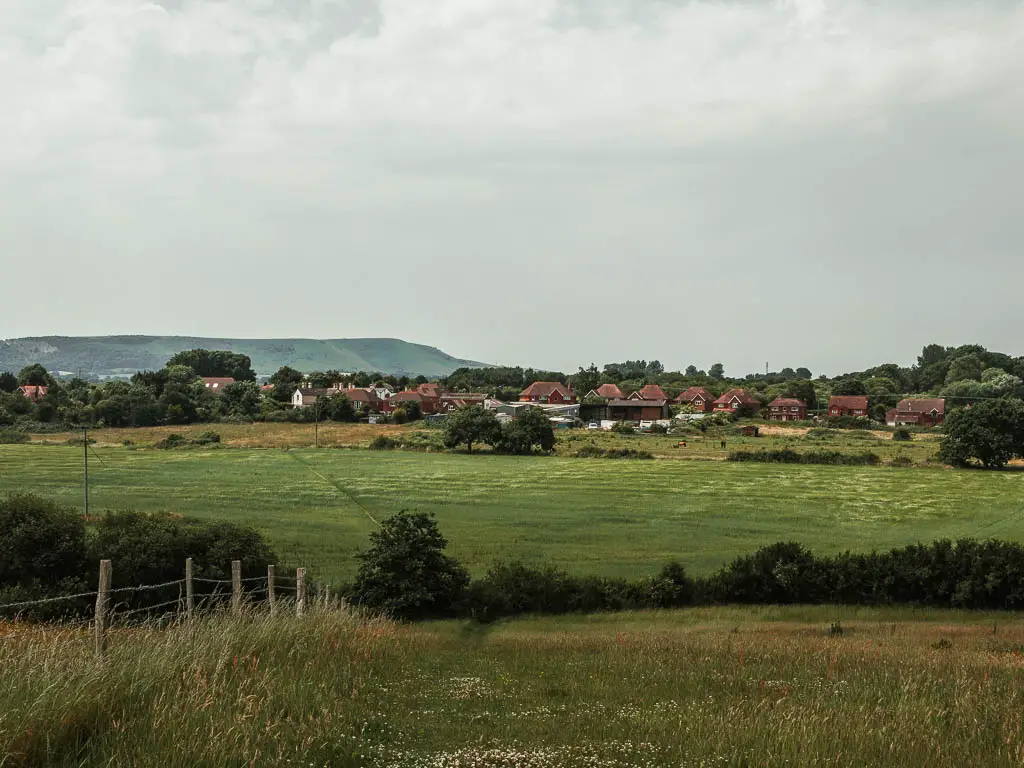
119	606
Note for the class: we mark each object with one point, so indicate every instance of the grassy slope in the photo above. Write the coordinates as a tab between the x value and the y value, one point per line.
622	518
104	354
714	687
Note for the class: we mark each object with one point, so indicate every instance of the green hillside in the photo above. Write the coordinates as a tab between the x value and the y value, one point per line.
110	355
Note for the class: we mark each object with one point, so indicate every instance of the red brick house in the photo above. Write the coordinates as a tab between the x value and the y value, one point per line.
649	392
919	412
697	397
34	392
430	389
608	392
427	404
216	384
452	401
735	400
848	405
787	409
550	392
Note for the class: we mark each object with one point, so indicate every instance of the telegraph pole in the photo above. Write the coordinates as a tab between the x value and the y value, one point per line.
316	423
85	448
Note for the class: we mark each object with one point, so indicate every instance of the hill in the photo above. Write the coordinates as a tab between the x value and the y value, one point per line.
118	355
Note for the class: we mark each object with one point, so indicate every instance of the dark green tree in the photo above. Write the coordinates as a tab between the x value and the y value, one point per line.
8	382
218	362
471	425
990	433
285	382
42	545
240	399
717	371
849	386
35	375
406	573
531	429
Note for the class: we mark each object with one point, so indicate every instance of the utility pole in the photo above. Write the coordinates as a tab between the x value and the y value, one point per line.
85	448
316	423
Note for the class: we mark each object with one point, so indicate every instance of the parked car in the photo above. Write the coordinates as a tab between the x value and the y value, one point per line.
593	425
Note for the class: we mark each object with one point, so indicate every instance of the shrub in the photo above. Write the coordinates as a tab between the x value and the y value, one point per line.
42	551
623	428
206	438
789	456
406	573
10	437
596	452
532	429
902	434
172	440
658	429
849	422
901	461
384	443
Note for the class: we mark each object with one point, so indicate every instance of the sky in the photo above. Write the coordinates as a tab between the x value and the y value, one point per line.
536	182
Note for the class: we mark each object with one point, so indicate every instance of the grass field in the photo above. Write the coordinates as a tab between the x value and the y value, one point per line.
710	687
591	516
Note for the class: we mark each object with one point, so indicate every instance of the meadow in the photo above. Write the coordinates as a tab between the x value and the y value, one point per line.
590	516
702	687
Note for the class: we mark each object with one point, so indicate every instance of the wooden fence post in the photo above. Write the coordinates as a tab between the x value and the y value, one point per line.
300	591
236	586
271	597
190	595
102	606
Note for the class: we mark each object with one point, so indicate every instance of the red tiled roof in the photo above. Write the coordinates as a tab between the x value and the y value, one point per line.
650	392
692	393
609	390
921	405
739	394
217	382
637	403
429	390
787	402
34	391
545	389
849	402
360	395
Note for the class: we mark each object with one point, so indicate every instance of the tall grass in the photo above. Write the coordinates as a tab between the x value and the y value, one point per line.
766	687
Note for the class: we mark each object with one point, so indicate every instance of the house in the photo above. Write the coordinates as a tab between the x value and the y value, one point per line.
430	389
848	405
308	395
787	409
452	401
363	399
649	392
735	400
34	392
216	384
550	392
428	405
607	392
382	390
696	397
919	412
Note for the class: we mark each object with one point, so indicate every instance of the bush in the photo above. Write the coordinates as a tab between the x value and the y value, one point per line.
384	443
206	438
406	572
901	461
10	437
623	428
42	552
173	440
532	429
658	429
849	422
596	452
789	456
901	435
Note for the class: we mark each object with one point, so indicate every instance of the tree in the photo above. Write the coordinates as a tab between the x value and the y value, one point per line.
717	372
240	399
804	373
691	370
803	389
41	544
531	428
285	382
586	380
337	408
219	362
8	382
35	375
966	367
849	386
991	433
471	425
406	573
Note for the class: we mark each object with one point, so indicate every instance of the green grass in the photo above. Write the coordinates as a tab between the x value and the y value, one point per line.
710	687
591	516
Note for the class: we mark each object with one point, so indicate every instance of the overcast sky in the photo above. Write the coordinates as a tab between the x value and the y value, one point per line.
537	182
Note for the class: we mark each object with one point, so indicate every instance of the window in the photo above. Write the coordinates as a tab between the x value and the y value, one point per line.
858	412
795	409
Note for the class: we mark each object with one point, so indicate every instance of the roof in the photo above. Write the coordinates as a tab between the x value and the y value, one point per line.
266	387
217	382
313	391
739	394
692	393
788	402
608	390
408	396
474	396
429	389
360	395
545	389
849	402
650	392
921	405
34	391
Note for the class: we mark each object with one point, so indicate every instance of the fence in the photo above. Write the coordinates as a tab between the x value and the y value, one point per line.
105	609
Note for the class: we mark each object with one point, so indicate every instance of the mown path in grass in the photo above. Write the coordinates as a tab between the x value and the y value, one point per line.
617	518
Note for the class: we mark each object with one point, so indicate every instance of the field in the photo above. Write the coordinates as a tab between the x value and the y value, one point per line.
591	516
709	687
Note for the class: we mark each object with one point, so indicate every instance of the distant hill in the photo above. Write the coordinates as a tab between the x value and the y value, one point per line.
120	355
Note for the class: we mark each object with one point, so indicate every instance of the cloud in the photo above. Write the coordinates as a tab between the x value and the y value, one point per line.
646	155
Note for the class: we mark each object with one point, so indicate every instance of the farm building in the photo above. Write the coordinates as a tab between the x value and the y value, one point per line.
627	410
697	397
735	400
848	405
919	412
787	409
551	392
